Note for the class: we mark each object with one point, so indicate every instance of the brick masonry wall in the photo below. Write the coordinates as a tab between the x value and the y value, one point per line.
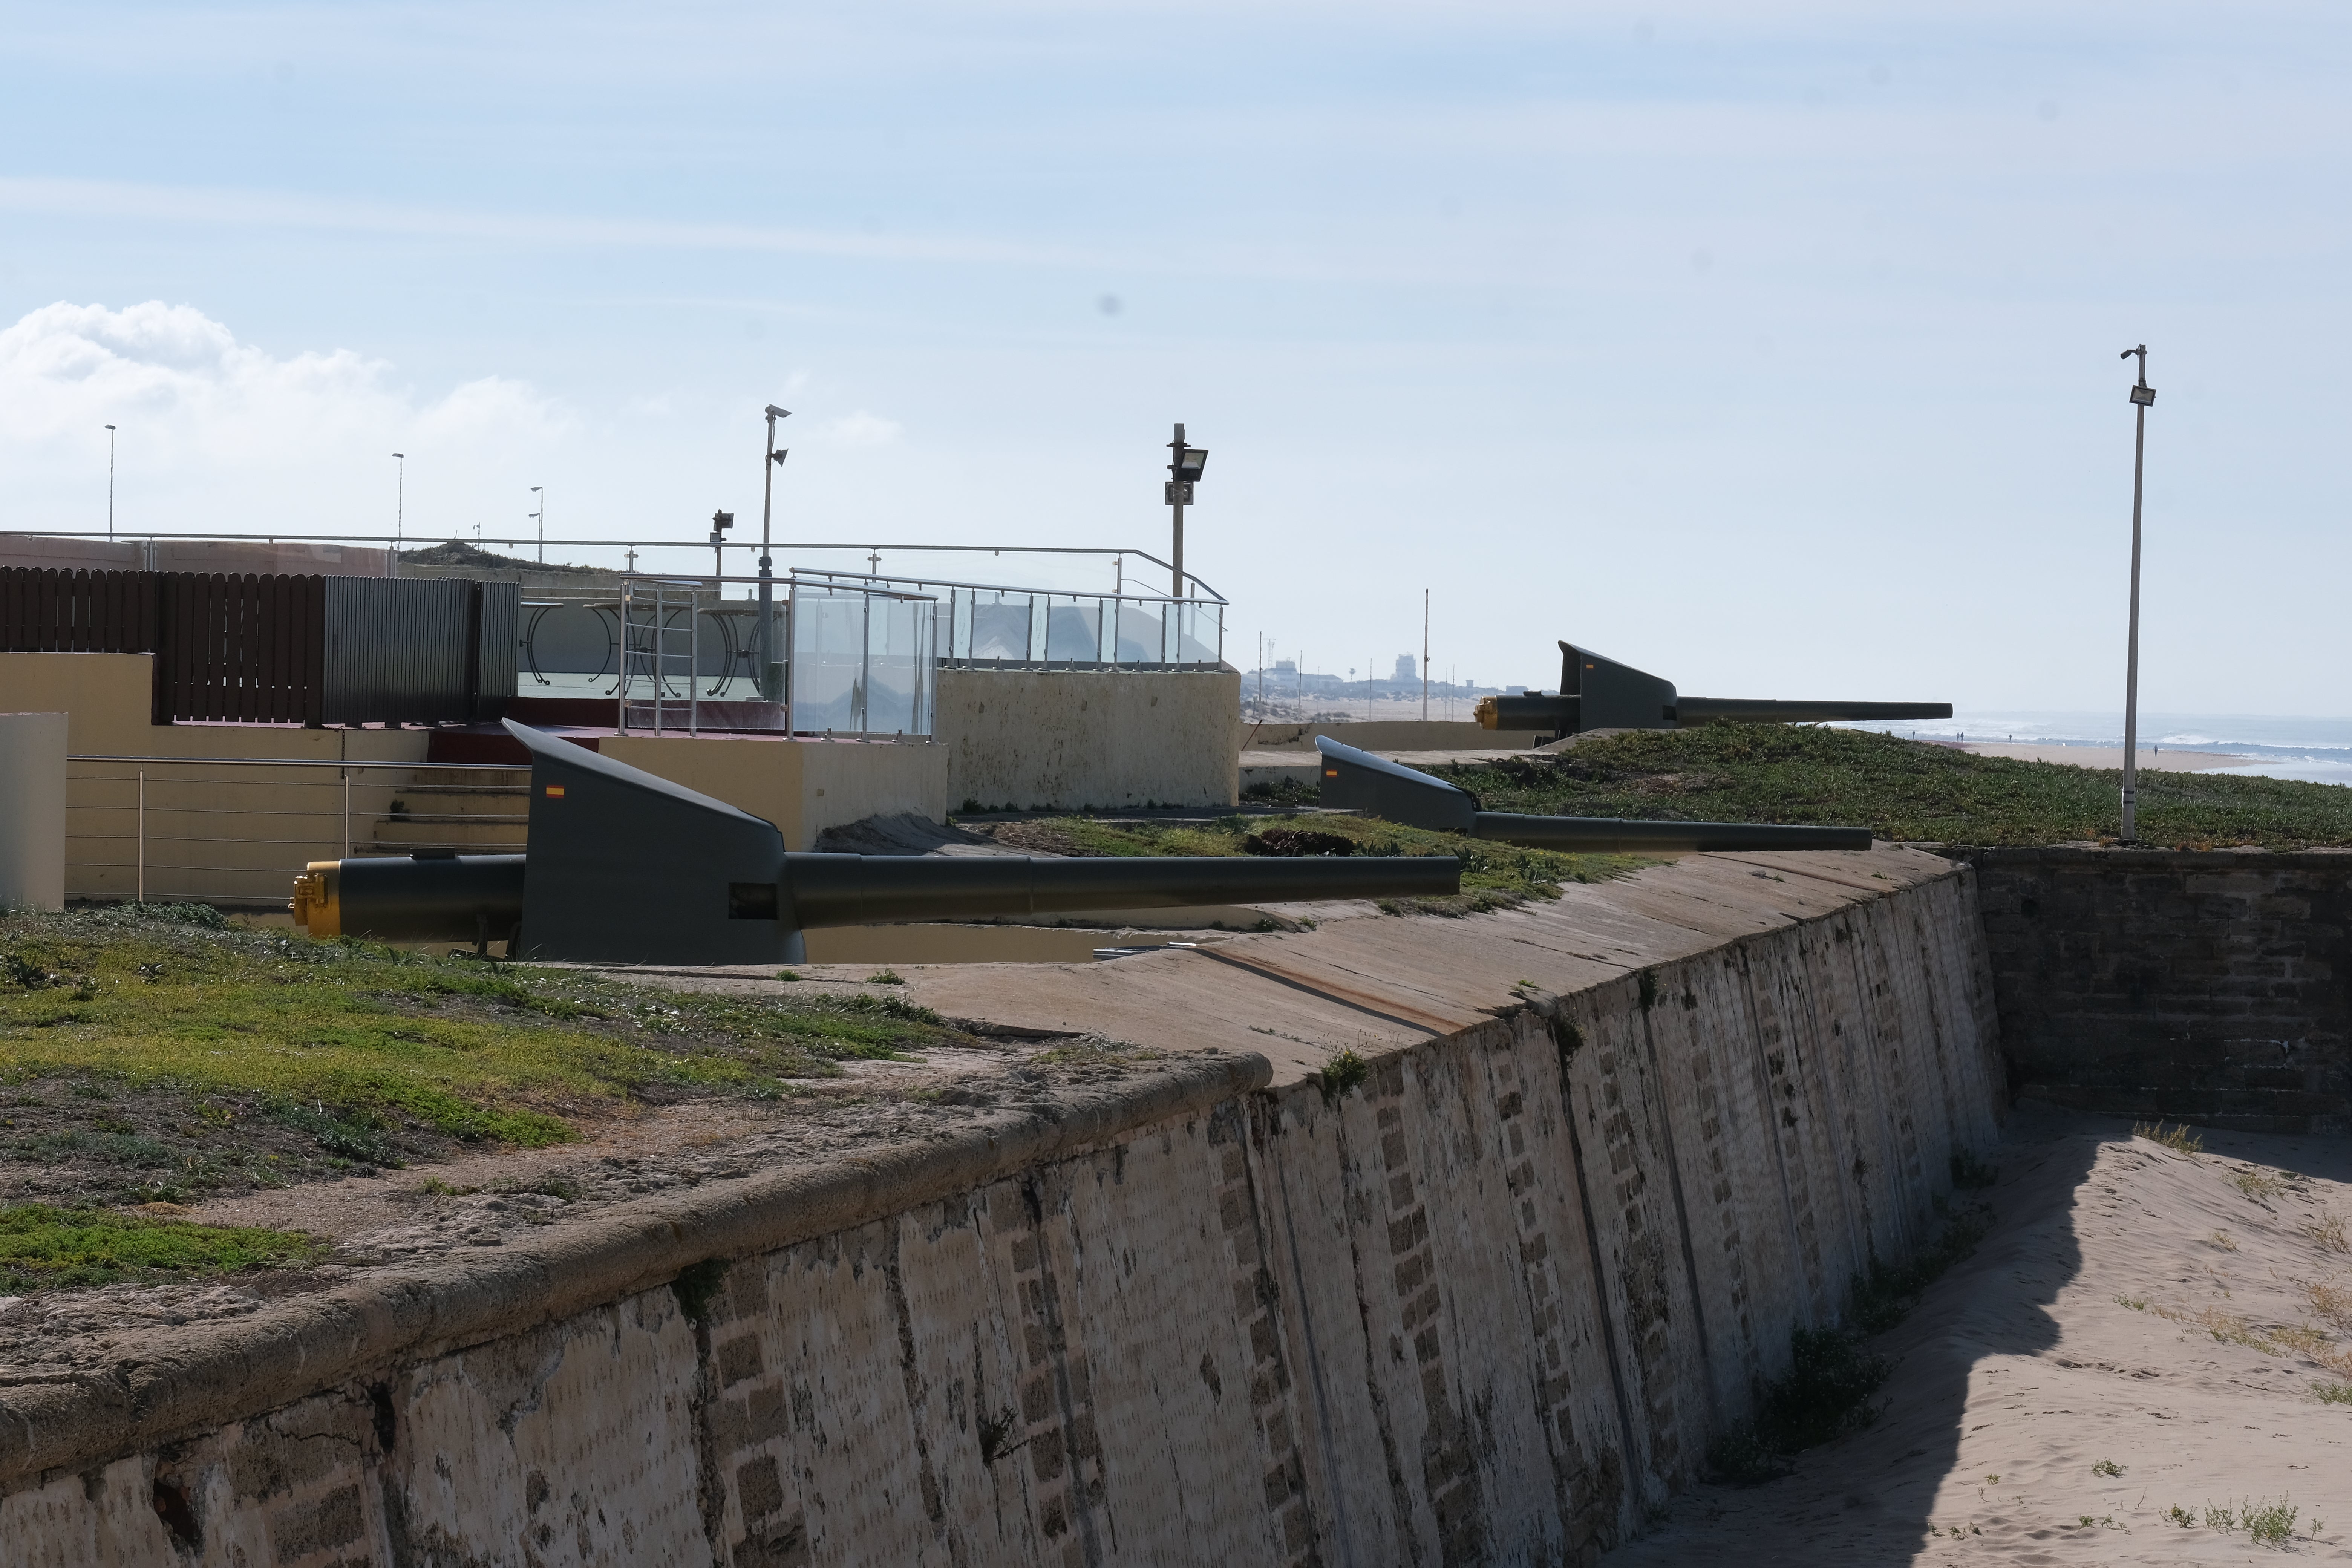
2213	987
1490	1304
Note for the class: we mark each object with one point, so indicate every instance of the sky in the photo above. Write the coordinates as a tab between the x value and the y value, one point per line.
1770	348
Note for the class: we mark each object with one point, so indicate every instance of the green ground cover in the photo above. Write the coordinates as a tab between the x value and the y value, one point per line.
1494	876
1899	789
42	1247
148	1053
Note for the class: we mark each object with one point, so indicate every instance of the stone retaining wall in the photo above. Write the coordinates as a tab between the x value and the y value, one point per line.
2210	986
1487	1303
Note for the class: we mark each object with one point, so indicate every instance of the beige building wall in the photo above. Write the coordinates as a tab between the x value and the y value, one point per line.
227	834
1029	738
32	810
802	786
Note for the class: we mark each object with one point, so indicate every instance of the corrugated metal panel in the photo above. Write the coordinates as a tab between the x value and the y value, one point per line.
397	649
502	633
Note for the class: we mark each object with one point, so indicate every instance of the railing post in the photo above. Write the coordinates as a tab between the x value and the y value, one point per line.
139	895
346	774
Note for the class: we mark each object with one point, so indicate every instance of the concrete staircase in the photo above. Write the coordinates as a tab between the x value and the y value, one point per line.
484	815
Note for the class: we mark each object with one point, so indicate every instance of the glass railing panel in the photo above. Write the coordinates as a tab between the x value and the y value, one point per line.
1139	634
897	677
828	689
999	628
1201	629
1073	632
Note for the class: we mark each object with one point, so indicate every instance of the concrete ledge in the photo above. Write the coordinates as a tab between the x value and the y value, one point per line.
212	1375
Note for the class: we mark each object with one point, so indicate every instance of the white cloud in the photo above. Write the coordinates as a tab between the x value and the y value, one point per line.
219	434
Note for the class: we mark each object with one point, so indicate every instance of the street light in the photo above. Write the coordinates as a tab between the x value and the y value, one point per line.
764	633
540	516
2143	396
110	481
1184	465
720	521
399	510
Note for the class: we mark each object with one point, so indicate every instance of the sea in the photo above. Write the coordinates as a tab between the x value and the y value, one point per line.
2317	750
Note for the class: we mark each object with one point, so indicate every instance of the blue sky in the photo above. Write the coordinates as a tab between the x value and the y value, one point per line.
1771	348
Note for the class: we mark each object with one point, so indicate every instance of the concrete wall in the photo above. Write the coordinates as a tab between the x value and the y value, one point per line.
1024	738
239	834
232	834
2209	986
32	810
1487	1306
802	786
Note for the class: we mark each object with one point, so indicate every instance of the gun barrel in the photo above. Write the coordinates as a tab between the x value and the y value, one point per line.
866	889
1616	836
1689	711
461	898
475	897
1533	710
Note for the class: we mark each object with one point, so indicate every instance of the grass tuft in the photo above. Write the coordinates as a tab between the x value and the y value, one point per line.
44	1248
1342	1071
2180	1139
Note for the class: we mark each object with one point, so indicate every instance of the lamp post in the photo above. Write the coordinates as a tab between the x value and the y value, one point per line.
720	521
764	656
399	510
110	481
2142	396
540	518
1184	465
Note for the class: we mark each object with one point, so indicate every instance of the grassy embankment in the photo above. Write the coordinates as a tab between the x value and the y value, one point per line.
1494	876
1901	790
157	1054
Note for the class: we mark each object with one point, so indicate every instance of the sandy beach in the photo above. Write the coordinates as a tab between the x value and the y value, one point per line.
2141	1332
2150	758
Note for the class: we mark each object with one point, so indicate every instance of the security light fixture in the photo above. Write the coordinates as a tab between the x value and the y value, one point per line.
775	413
1189	462
722	520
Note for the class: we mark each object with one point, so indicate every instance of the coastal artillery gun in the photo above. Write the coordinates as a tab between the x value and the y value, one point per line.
1378	787
626	867
1598	693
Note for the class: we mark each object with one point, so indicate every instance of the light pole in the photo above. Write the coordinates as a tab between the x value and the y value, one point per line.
2142	396
541	517
399	511
764	656
110	481
1184	465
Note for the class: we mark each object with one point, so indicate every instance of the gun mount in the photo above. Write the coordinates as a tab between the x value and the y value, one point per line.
1392	791
626	867
1598	693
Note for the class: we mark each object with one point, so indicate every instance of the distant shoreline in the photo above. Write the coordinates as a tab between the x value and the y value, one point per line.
2110	758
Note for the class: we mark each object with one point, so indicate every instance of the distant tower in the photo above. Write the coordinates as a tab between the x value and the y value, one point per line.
1404	671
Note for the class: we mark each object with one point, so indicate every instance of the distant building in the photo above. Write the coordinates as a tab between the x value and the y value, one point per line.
1405	670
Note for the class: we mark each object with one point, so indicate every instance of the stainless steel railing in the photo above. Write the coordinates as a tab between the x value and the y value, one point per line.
235	830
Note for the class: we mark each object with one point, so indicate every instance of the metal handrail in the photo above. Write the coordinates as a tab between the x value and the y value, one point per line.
403	542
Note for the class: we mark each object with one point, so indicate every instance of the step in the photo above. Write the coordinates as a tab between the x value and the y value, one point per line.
490	836
418	804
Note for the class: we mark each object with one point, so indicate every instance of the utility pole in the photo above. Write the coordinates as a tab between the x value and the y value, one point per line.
541	492
2142	396
1184	465
399	511
110	481
763	644
1424	656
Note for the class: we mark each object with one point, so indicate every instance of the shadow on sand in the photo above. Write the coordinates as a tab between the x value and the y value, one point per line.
1870	1499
